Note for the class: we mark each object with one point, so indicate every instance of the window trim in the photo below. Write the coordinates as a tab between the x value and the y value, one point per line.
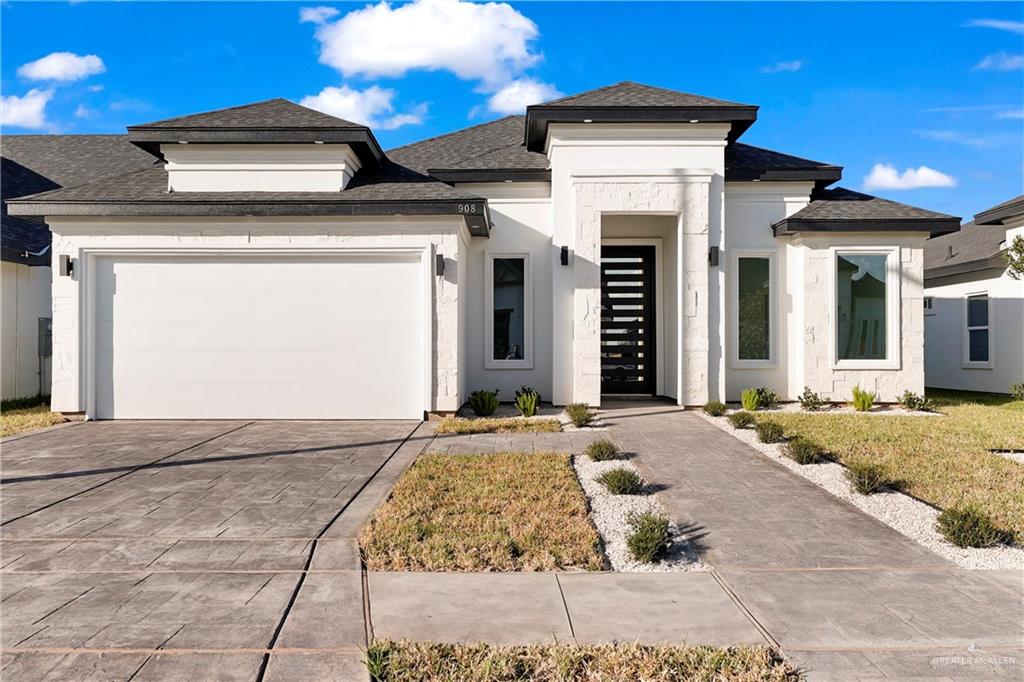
966	362
893	317
773	313
489	361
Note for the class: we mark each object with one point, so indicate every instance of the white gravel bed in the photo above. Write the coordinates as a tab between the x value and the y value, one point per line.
876	411
904	514
1011	455
544	411
610	513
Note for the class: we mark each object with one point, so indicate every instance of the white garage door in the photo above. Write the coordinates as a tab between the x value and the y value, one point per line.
259	338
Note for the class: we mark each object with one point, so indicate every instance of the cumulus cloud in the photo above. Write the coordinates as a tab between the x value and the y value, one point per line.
781	67
373	106
82	111
62	66
519	94
28	111
999	24
1001	61
317	15
885	176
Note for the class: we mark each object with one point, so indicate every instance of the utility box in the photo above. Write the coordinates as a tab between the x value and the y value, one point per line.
45	337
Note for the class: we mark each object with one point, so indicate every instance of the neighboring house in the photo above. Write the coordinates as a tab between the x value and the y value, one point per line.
279	264
974	309
32	164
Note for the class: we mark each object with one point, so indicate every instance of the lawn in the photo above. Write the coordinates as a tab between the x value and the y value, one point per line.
497	425
498	512
23	419
943	460
430	662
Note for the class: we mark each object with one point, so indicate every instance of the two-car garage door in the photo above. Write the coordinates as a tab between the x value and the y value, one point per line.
214	337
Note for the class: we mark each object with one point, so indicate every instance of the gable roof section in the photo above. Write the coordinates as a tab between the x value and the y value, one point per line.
843	210
1000	213
273	121
629	102
972	249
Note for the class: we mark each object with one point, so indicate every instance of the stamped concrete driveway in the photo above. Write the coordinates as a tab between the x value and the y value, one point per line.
190	550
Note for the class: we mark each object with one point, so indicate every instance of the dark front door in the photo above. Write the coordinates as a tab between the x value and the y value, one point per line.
627	319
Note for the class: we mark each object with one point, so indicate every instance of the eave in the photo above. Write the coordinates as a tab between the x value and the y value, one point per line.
933	227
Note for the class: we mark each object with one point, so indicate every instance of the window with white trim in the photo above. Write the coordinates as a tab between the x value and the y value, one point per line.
976	313
508	338
866	313
753	323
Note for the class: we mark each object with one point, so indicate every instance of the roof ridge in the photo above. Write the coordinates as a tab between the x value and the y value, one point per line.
592	90
216	111
792	156
62	135
454	132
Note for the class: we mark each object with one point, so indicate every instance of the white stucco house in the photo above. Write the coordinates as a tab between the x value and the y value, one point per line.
973	308
275	262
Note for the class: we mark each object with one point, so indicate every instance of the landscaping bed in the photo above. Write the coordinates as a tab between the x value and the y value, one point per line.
15	421
498	425
432	662
506	418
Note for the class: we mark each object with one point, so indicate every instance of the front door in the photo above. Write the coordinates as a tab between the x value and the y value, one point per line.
627	319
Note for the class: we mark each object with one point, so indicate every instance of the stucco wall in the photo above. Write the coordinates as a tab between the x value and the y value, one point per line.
25	298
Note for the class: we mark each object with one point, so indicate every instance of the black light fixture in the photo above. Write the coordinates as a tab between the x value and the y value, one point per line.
438	264
65	265
565	255
713	256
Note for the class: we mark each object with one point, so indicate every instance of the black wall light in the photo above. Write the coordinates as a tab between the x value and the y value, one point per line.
438	264
713	256
565	255
65	265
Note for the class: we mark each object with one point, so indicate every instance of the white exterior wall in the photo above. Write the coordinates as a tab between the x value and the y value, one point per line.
259	167
25	298
82	238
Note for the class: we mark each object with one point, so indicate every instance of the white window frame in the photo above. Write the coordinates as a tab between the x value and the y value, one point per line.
893	318
967	363
489	361
773	313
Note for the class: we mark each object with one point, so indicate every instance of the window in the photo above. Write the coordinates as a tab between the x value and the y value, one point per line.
928	303
866	295
976	308
753	323
509	329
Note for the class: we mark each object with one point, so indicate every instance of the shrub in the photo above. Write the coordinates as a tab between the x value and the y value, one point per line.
750	399
912	401
525	390
804	451
483	403
969	526
1018	391
650	536
621	481
602	449
867	477
767	398
769	432
810	401
526	403
714	408
741	420
580	413
862	400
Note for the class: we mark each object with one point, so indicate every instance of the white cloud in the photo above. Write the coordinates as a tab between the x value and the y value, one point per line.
958	137
885	176
95	88
780	67
487	42
317	15
519	94
82	111
1011	113
999	24
373	106
28	111
1001	61
62	66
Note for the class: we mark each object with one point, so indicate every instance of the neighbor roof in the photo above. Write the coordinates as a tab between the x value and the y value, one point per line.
973	249
268	122
629	102
843	210
1001	212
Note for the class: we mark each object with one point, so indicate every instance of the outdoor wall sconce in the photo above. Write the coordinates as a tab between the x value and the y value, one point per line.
439	264
565	255
713	256
65	265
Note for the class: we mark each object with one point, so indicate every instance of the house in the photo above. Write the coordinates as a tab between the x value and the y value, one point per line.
32	164
277	263
974	309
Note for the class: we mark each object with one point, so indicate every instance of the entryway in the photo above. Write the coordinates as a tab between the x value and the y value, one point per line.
627	320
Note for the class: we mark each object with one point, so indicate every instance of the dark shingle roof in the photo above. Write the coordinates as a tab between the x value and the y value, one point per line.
747	162
271	113
843	210
975	247
1011	208
630	94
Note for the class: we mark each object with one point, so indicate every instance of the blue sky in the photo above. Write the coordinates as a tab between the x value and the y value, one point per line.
936	89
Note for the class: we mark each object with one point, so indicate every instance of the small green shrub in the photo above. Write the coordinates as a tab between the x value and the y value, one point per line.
863	400
524	390
867	477
750	399
526	403
483	403
741	420
580	414
912	401
650	536
769	431
767	398
804	451
621	482
1018	391
602	449
714	408
969	526
810	401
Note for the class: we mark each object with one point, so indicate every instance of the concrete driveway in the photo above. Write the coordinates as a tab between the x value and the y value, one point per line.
191	550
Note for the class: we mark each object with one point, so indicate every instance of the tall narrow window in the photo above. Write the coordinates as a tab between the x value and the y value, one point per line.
977	328
754	308
509	310
861	306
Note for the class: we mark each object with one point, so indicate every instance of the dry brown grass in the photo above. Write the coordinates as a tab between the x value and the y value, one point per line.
943	460
499	512
13	422
430	662
497	425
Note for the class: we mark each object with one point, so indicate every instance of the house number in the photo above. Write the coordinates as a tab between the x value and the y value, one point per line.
467	208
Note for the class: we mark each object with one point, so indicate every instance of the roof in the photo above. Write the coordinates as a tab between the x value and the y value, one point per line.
1000	213
974	248
273	121
747	162
38	163
629	102
843	210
